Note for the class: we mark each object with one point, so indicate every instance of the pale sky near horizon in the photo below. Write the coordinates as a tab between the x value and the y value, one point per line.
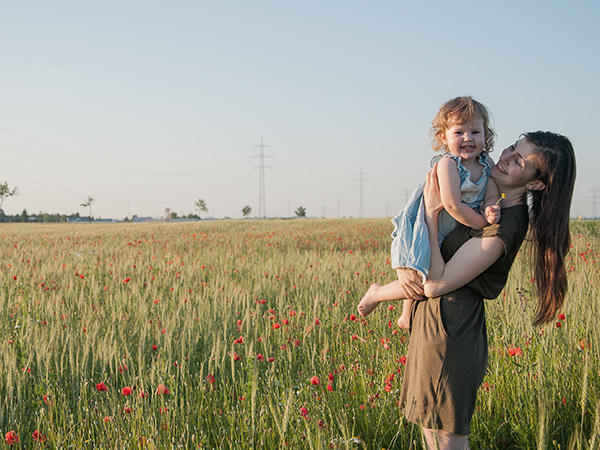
152	104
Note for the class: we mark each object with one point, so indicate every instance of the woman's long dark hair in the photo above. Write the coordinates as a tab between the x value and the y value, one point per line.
549	220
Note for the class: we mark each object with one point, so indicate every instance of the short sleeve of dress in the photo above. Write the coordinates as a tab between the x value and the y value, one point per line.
511	230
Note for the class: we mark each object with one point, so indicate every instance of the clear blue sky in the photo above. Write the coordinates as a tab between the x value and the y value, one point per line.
152	104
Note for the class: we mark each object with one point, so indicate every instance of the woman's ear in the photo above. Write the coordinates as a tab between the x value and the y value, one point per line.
536	185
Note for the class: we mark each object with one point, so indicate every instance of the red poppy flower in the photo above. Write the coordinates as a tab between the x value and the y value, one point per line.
101	386
11	438
304	412
260	357
516	351
162	390
562	316
38	437
315	381
126	390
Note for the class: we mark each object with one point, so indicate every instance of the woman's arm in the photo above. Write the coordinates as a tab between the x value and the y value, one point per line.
470	260
449	182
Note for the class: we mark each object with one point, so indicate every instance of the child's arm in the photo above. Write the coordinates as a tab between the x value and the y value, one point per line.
490	206
449	181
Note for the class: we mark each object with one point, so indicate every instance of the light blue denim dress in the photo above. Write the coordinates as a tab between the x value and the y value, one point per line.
410	245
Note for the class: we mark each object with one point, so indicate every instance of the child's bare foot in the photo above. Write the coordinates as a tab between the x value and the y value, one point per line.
404	322
369	302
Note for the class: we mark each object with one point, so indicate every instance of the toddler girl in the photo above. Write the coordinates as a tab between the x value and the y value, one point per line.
462	133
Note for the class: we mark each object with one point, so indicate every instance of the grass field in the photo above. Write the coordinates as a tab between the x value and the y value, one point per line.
243	335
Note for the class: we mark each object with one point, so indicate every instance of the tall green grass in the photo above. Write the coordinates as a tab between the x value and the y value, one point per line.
236	318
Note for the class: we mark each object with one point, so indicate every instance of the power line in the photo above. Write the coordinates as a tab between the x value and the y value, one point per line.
262	207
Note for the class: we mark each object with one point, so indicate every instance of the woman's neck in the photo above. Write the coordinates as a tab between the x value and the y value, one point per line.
514	197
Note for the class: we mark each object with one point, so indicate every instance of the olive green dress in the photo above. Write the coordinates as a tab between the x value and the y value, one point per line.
448	351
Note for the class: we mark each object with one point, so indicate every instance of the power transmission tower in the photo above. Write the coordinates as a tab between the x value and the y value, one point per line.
337	203
361	180
262	207
594	199
406	196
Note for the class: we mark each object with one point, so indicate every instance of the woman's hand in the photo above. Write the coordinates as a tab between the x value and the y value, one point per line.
411	282
431	193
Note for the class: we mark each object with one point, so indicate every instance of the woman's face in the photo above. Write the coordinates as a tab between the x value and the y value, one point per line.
517	166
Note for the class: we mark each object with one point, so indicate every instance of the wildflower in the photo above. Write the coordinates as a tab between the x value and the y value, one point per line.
210	378
562	316
126	390
516	351
101	386
260	357
329	387
11	438
304	412
163	390
501	197
584	344
38	437
315	381
271	359
558	324
126	280
107	419
352	317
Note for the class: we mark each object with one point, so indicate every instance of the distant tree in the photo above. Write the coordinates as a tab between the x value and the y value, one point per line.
88	204
246	210
6	192
300	212
200	205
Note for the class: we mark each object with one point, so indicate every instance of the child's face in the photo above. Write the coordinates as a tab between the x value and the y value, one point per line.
466	140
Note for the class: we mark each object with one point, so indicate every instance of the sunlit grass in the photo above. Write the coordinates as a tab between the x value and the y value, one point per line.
236	318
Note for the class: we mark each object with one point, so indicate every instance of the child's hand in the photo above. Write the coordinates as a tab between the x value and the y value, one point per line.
492	214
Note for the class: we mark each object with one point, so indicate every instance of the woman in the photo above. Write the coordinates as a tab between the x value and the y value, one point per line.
448	351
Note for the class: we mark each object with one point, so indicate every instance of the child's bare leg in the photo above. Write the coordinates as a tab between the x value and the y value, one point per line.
409	283
404	320
370	301
378	294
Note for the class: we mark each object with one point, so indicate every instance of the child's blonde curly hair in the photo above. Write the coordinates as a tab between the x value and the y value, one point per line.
460	111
